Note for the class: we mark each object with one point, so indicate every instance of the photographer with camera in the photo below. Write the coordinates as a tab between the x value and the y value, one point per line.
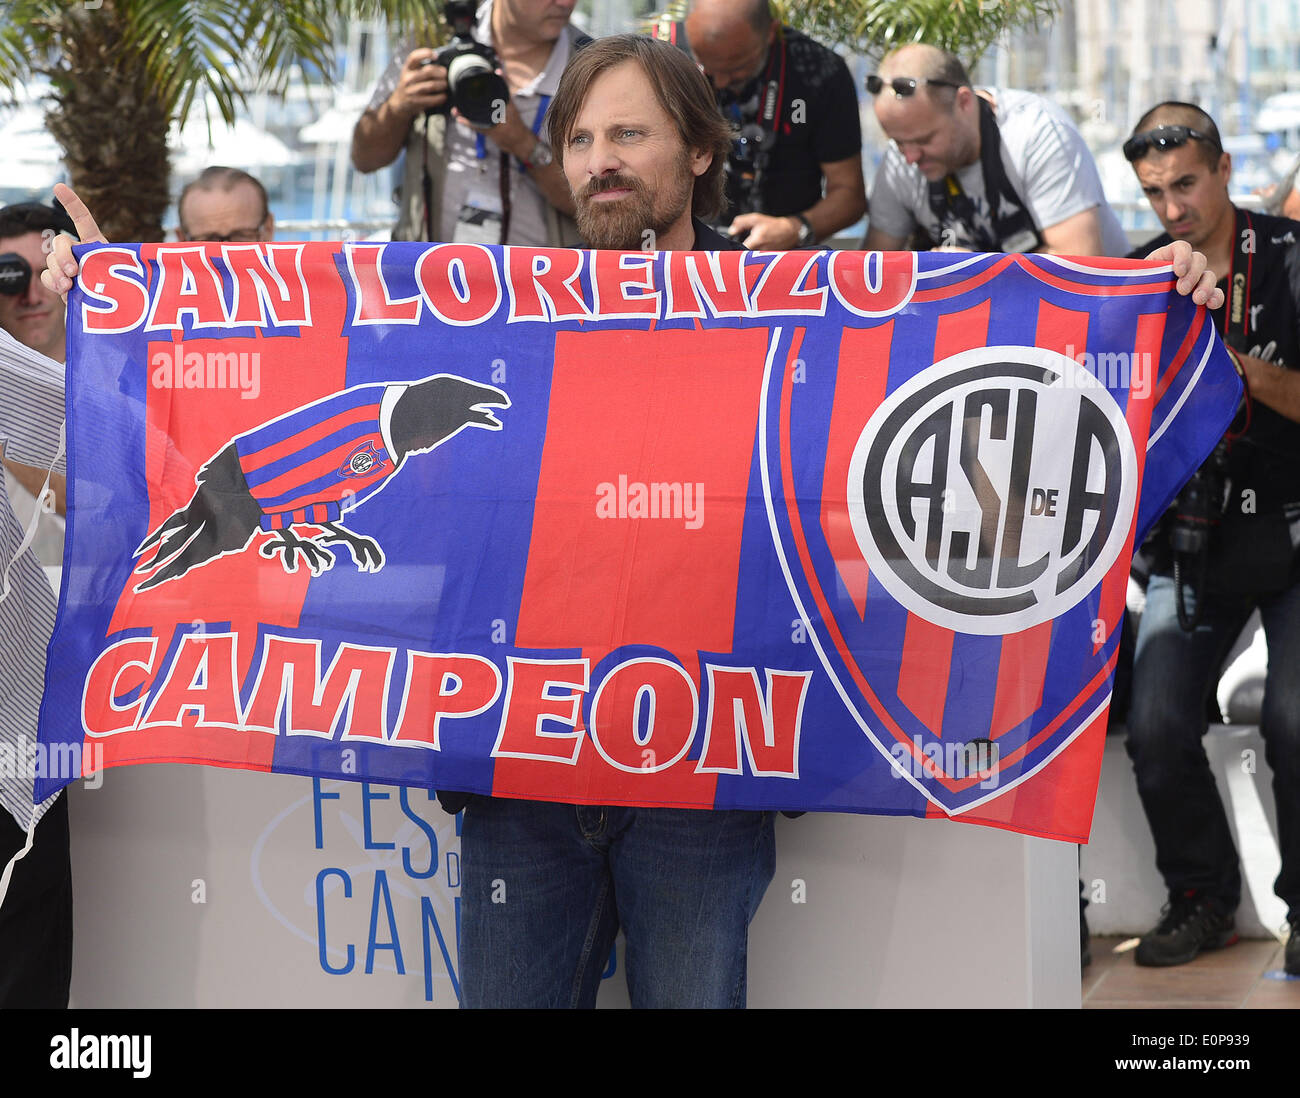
993	170
478	168
794	176
1227	548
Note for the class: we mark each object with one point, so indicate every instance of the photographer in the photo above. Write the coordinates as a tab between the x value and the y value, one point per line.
794	176
1247	499
491	183
988	170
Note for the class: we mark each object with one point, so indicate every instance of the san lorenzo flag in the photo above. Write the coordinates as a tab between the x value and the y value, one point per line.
827	531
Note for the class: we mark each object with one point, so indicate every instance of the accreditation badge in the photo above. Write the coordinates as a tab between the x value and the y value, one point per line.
480	218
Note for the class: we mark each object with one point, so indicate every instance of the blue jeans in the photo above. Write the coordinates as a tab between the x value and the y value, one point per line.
1173	673
545	888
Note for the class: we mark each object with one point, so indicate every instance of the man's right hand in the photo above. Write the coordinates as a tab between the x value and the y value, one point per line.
60	264
421	87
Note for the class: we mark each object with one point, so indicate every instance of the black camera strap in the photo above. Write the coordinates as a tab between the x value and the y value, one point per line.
1236	305
1013	227
773	90
503	182
1241	273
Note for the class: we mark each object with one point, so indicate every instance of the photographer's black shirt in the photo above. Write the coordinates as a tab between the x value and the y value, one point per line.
1266	325
816	122
1252	547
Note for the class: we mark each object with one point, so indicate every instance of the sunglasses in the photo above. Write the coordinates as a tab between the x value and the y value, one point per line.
903	86
1164	138
236	236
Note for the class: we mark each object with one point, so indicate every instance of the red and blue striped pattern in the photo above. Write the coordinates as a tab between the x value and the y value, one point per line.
298	467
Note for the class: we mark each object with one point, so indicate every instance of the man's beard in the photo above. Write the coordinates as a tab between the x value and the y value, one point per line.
636	221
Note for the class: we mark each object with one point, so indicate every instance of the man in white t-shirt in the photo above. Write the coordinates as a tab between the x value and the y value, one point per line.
498	185
993	170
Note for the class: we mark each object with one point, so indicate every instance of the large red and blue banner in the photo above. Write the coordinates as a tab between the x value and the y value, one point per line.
824	531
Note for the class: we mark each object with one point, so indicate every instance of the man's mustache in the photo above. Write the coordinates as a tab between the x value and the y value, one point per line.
614	182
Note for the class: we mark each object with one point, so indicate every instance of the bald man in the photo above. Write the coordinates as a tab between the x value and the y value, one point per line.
224	205
794	176
990	170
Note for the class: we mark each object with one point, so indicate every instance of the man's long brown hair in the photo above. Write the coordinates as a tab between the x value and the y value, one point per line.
681	89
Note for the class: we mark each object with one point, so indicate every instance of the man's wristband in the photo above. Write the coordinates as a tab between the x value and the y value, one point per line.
806	235
539	157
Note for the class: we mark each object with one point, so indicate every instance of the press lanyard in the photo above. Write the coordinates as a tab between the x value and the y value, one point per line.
480	141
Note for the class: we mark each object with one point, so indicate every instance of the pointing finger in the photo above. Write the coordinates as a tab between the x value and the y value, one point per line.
81	218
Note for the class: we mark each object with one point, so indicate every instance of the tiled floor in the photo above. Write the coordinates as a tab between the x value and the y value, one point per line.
1238	976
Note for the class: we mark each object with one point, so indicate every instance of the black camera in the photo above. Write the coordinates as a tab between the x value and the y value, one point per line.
750	143
473	86
746	144
745	168
1198	509
1200	505
15	274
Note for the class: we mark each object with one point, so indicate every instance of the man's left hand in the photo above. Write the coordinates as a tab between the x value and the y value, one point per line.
61	265
767	233
1192	271
510	135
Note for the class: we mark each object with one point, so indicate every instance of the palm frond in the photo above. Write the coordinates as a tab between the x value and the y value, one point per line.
874	27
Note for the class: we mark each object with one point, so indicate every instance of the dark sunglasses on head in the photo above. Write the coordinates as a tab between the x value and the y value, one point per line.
903	85
1164	138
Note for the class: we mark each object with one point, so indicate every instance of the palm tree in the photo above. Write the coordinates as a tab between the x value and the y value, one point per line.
122	71
874	27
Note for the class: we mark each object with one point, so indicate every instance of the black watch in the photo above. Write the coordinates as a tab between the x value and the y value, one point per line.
806	234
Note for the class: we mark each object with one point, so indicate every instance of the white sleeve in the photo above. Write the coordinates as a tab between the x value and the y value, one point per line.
1051	166
890	207
31	405
388	81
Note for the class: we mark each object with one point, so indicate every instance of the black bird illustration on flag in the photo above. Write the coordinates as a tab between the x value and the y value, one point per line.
307	468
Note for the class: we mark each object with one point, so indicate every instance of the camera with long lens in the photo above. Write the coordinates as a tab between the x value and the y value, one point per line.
474	87
1198	509
15	274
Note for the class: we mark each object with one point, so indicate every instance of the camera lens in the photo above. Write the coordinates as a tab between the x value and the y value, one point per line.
476	89
15	274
